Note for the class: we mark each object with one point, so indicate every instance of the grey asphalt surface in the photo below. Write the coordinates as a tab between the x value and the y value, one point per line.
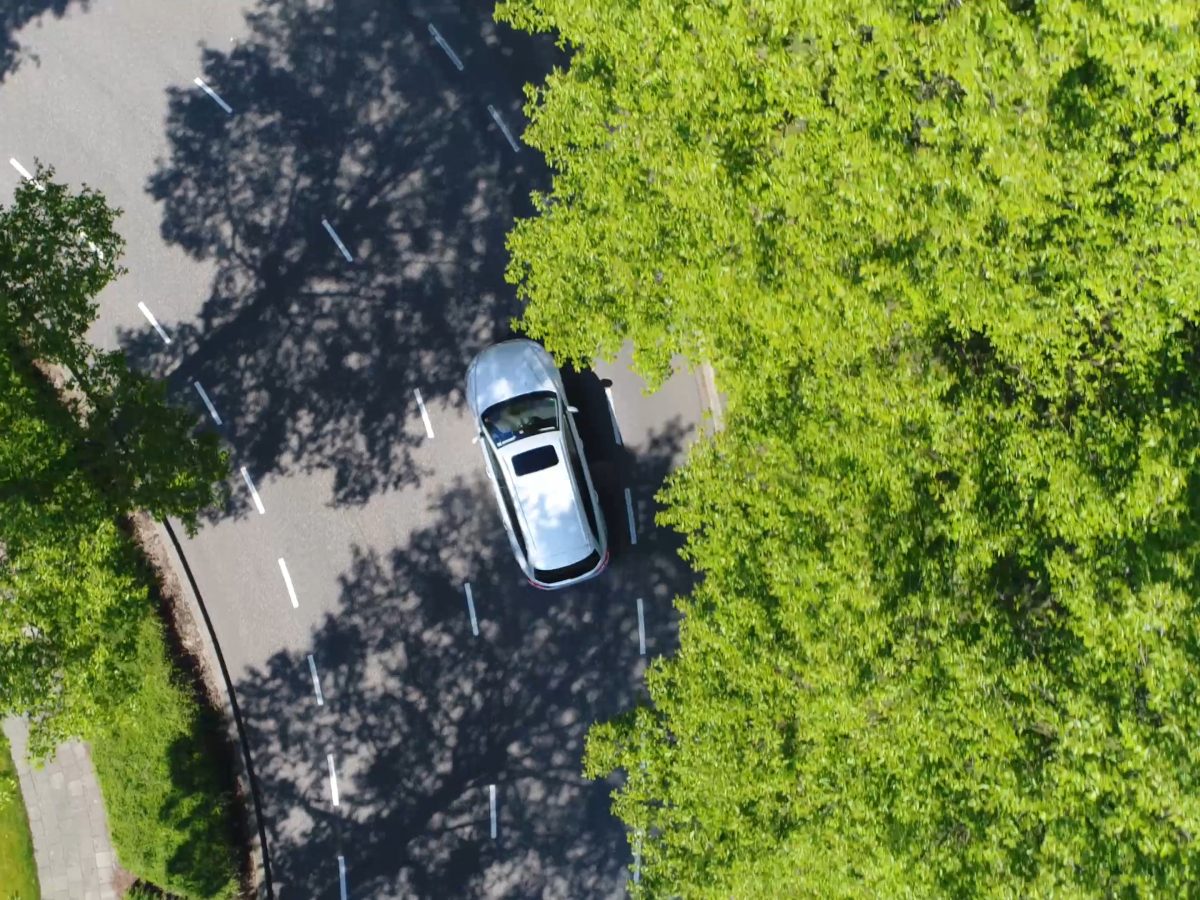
352	113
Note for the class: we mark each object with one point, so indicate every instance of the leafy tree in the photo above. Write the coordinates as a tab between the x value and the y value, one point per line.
72	590
58	250
943	258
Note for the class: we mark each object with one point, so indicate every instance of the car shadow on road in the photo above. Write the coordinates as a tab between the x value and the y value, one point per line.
347	115
421	715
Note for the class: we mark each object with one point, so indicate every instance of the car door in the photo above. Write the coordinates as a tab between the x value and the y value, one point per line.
508	512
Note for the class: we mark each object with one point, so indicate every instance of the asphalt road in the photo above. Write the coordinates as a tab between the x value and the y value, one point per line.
349	122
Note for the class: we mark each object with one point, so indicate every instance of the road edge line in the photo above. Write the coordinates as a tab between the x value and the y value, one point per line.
234	726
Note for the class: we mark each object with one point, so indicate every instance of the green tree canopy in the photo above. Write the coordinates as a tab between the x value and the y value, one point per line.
58	250
944	258
72	591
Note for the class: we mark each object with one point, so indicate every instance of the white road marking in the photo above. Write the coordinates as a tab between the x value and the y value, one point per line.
512	142
82	235
424	413
312	667
199	82
253	493
212	410
332	779
612	411
24	172
337	240
629	509
153	321
287	580
471	610
492	800
441	41
641	628
342	875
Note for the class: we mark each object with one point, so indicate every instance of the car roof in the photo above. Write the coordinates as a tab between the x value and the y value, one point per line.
548	503
510	369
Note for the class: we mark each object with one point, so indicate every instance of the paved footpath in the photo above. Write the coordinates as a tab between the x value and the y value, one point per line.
75	859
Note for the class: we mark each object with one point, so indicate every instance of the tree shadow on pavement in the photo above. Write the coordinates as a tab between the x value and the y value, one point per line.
15	15
347	114
421	715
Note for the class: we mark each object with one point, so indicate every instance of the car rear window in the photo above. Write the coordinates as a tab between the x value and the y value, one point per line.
566	573
535	460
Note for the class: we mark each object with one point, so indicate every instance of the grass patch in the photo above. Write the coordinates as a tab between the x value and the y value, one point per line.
18	871
165	788
158	750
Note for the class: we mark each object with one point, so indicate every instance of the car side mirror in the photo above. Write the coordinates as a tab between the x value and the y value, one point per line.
574	409
478	435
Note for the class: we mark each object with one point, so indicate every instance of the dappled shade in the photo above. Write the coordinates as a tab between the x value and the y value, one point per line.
342	114
422	716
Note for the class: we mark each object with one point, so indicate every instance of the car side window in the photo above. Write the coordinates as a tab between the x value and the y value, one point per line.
509	508
580	480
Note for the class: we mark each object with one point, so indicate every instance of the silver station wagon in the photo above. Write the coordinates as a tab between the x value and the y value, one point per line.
534	458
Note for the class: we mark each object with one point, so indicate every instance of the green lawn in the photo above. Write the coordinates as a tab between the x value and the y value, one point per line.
18	874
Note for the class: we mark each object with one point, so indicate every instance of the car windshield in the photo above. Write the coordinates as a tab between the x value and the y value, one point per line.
521	416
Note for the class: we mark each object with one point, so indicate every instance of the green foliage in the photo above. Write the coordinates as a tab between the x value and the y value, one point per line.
164	789
81	650
18	871
57	251
71	576
944	259
69	469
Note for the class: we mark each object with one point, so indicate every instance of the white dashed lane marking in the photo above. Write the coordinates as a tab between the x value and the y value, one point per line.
492	803
199	82
342	875
287	580
258	504
153	321
312	667
471	610
424	413
337	240
612	412
21	170
212	410
333	788
629	510
441	42
641	627
512	141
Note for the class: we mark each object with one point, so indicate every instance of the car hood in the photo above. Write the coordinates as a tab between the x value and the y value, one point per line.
508	370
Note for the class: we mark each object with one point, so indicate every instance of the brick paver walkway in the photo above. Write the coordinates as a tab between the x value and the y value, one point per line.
75	859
